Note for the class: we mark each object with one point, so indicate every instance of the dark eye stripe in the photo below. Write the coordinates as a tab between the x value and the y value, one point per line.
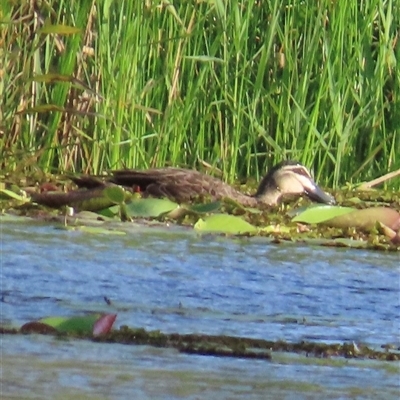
299	169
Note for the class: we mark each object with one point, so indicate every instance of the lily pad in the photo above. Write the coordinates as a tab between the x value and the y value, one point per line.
367	218
318	214
224	223
204	208
109	212
115	194
347	217
95	324
150	208
81	324
104	324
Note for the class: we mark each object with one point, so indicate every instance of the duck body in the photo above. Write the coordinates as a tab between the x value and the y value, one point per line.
185	185
179	184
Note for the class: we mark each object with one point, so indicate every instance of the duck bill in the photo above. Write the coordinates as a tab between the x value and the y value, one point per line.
315	193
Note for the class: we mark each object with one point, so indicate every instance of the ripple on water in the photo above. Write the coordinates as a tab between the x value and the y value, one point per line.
181	282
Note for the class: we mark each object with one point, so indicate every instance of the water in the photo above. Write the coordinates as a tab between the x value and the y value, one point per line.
176	281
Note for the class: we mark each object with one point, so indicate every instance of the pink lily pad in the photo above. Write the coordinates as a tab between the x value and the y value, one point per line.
104	324
367	219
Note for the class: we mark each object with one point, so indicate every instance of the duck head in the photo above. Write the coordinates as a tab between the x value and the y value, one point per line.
290	178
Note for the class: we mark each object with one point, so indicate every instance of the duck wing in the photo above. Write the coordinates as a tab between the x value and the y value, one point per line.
175	183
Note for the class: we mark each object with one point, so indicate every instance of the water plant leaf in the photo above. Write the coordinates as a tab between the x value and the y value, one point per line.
204	208
367	218
104	324
150	207
109	212
5	193
224	223
318	214
347	217
116	194
87	324
78	324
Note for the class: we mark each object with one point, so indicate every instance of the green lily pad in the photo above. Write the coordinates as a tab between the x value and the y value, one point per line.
318	214
150	208
115	194
204	208
224	223
109	212
96	324
81	324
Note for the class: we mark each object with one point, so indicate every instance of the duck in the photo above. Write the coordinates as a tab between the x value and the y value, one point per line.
288	178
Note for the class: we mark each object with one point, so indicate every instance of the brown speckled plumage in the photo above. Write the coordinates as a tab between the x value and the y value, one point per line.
184	185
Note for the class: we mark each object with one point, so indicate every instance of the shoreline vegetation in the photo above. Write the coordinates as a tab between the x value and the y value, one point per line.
231	87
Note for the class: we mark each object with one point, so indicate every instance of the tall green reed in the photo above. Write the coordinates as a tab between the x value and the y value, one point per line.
237	85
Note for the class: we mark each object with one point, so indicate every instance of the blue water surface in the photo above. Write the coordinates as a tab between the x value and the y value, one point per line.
174	280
